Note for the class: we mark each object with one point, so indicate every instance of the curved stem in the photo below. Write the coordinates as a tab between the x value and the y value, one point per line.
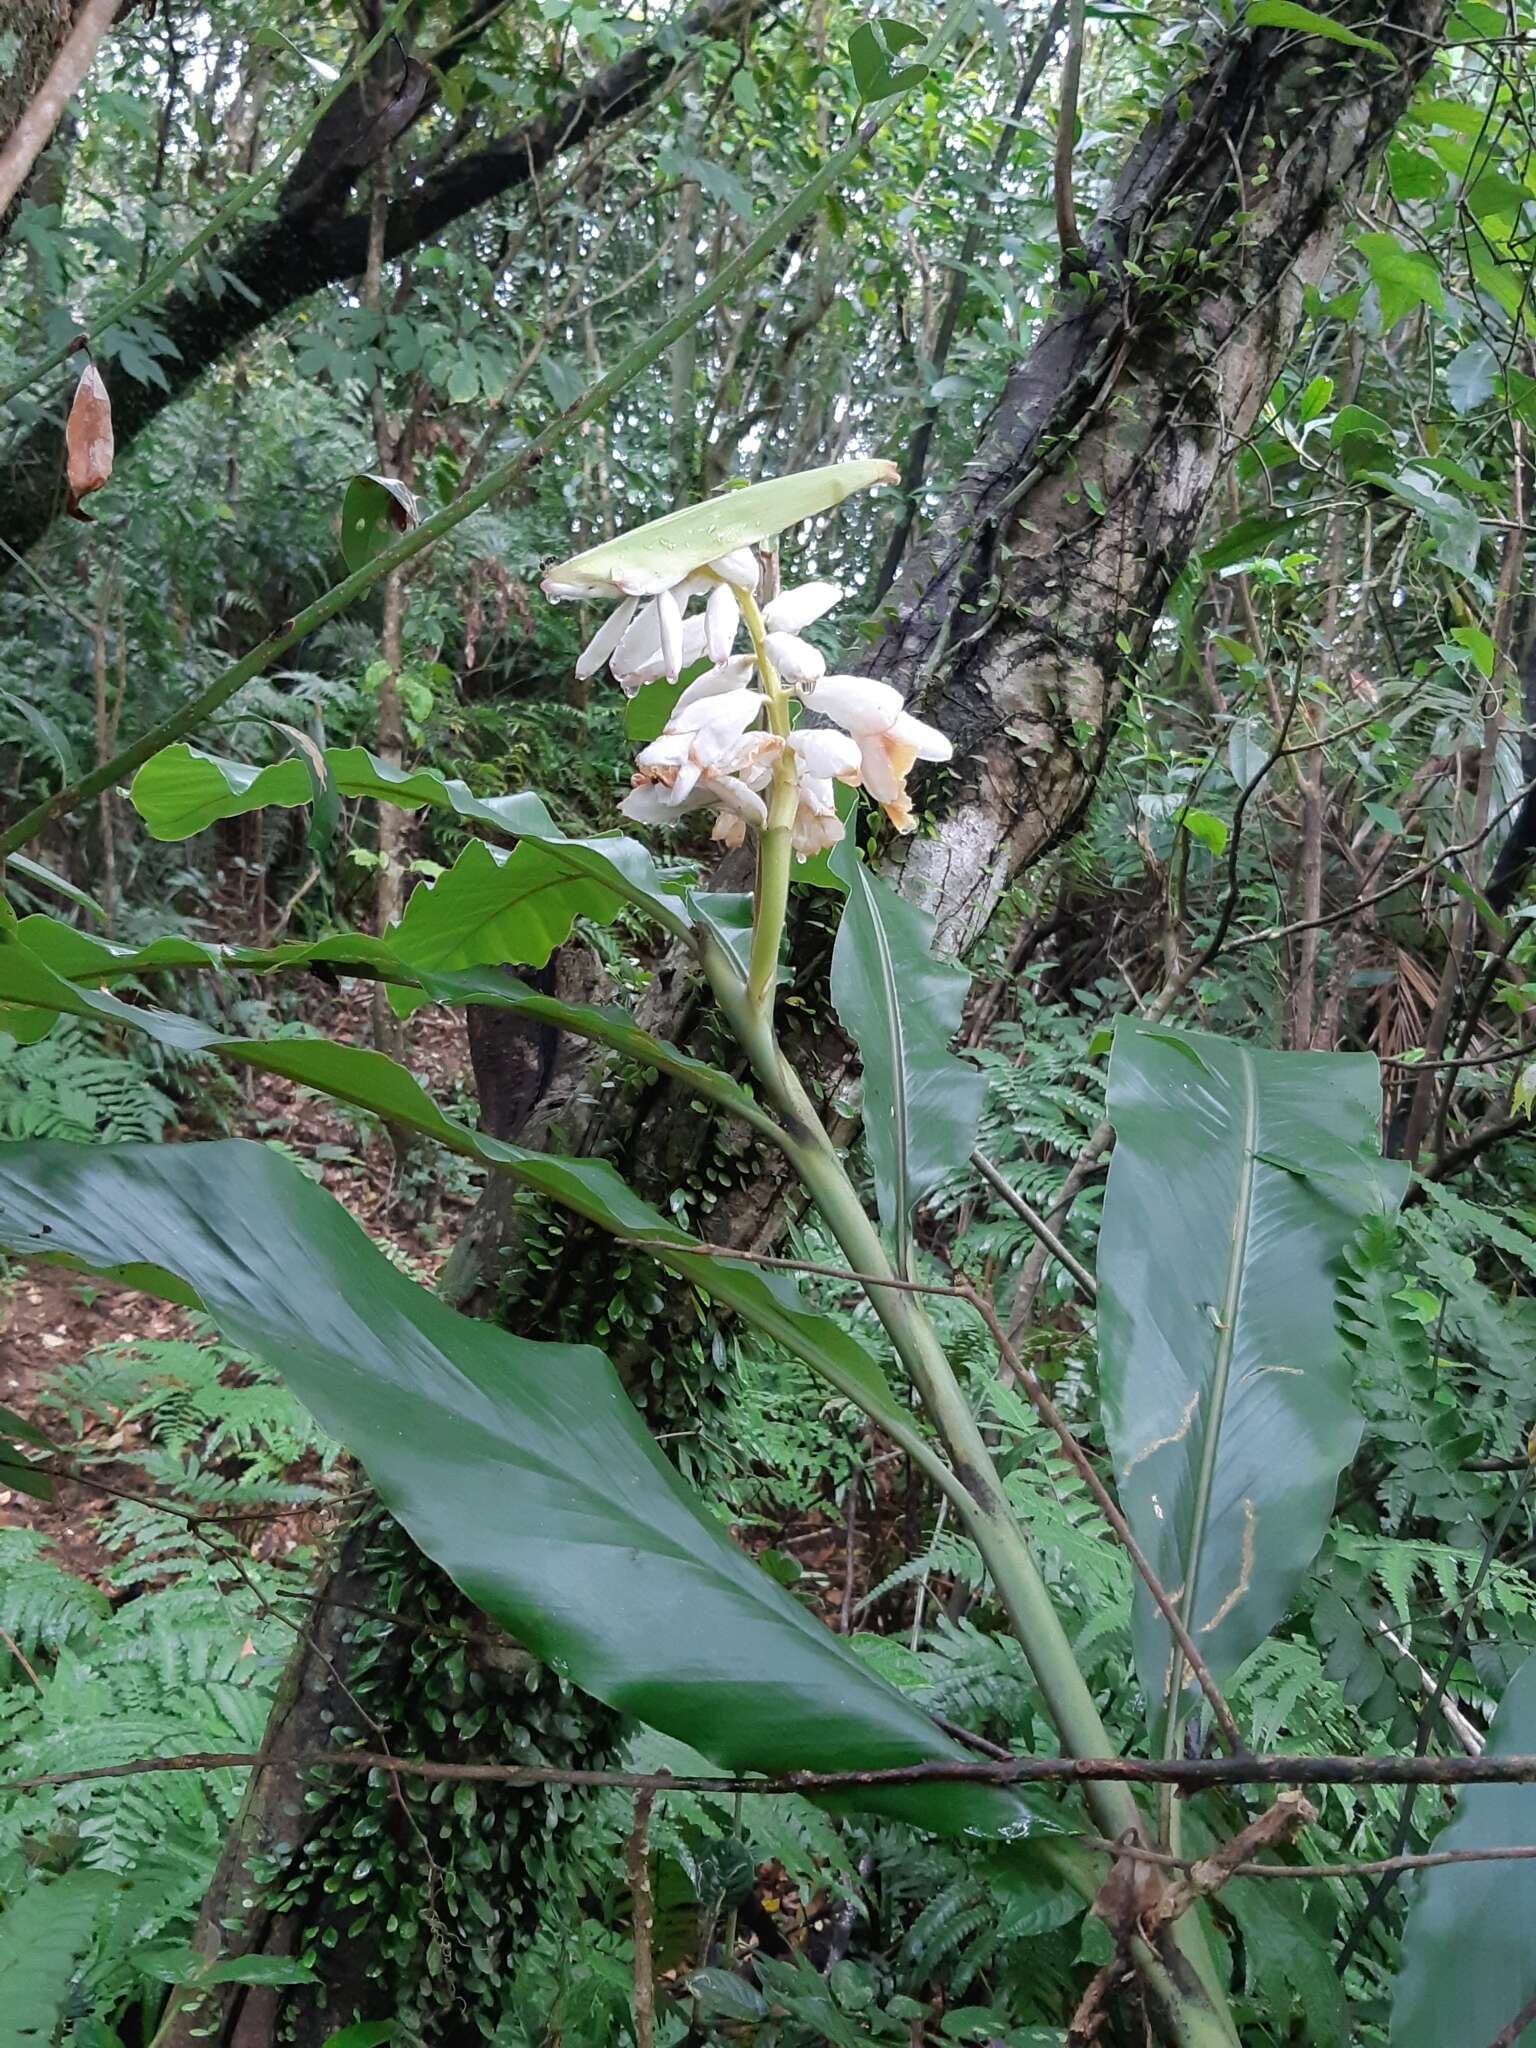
1179	1973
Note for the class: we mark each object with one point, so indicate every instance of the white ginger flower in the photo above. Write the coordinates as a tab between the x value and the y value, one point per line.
796	660
793	610
890	741
820	756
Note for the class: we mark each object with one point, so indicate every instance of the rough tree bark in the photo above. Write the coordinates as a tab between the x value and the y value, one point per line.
40	27
313	241
1024	608
1020	617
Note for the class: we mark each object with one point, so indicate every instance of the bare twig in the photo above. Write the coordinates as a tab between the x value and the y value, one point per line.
1068	234
1060	1252
1338	1873
1506	2037
1189	1774
16	1651
638	1859
1414	874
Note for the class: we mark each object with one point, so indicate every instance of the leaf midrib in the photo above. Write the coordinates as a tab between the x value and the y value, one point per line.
1237	1258
898	1071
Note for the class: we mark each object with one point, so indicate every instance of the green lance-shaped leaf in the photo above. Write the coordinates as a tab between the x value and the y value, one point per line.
1468	1962
523	1469
654	557
74	955
1307	22
1239	1177
494	908
588	1187
183	790
901	1007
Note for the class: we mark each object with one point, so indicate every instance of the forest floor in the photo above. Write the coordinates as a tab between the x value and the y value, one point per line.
52	1318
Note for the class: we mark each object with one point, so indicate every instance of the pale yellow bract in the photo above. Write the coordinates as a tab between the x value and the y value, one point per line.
652	558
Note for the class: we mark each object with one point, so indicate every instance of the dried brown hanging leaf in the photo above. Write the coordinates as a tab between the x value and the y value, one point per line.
88	440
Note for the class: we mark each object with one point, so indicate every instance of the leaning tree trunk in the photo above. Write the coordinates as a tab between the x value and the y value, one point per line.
315	238
39	27
1016	622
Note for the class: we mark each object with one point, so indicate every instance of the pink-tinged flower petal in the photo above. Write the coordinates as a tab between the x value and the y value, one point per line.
796	660
725	675
746	802
740	567
722	616
857	703
649	803
824	753
882	781
793	610
669	621
925	741
606	639
666	753
816	826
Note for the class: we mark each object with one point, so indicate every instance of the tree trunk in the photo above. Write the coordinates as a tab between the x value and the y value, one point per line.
1047	569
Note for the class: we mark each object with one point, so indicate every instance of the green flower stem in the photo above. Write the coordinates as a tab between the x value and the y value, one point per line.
492	485
235	205
1183	1980
775	851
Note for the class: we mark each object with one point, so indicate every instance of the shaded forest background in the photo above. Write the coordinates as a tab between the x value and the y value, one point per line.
1210	378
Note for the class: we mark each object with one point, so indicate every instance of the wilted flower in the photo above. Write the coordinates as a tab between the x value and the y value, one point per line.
707	757
890	741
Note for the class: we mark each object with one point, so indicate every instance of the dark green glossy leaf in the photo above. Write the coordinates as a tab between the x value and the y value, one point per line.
22	1476
590	1188
523	1469
1239	1177
73	954
375	511
901	1007
183	790
1468	1962
18	1430
495	908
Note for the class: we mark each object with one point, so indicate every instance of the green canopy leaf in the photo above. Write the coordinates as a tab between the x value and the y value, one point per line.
1307	22
1239	1176
523	1469
1468	1963
901	1007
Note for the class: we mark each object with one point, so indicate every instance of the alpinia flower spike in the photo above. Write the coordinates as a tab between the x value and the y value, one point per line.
714	752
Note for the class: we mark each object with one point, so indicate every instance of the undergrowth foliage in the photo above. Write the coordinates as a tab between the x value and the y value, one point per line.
994	944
